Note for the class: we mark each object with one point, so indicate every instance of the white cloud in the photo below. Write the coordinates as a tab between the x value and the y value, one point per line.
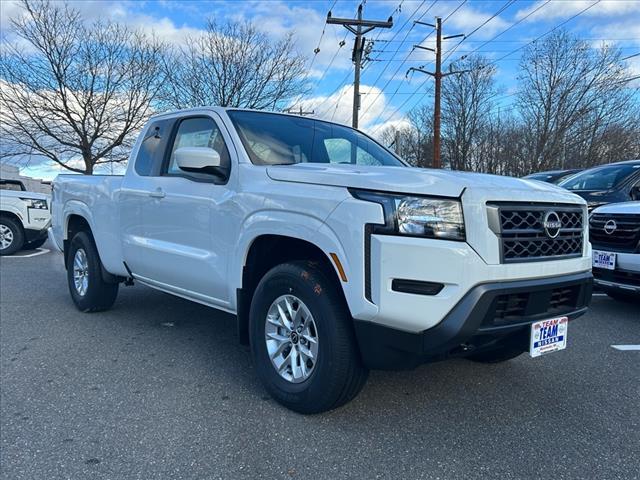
468	19
605	8
338	107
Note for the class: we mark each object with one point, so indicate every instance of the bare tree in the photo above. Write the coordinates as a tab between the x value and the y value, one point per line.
234	65
570	93
75	94
468	99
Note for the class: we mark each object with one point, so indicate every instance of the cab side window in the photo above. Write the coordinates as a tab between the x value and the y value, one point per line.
199	132
151	151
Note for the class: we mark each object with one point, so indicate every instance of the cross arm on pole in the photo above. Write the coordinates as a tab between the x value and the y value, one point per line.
424	23
350	22
417	69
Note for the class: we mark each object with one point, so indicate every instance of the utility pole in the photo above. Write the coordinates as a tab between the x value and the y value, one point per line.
299	112
359	28
437	75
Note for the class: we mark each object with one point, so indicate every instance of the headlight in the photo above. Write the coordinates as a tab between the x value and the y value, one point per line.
33	203
418	216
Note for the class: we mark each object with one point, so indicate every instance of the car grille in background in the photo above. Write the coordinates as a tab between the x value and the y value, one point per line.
523	236
625	237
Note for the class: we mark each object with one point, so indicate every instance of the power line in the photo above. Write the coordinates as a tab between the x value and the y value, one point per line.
500	10
423	66
544	34
493	62
359	27
507	29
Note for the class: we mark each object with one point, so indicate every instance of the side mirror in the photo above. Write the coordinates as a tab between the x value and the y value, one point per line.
635	192
197	159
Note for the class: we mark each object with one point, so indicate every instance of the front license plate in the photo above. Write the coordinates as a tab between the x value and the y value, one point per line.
604	260
548	336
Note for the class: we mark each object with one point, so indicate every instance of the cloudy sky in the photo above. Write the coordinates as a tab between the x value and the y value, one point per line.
499	29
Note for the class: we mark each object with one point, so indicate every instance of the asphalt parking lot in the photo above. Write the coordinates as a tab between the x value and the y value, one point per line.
159	388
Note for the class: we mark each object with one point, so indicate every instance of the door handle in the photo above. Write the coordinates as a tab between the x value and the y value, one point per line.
158	193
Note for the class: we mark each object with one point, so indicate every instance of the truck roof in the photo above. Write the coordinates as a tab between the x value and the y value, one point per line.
226	109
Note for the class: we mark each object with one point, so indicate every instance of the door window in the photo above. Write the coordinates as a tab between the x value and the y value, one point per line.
198	132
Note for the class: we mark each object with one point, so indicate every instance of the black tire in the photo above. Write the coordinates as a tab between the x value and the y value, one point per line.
339	375
496	355
17	234
99	294
35	244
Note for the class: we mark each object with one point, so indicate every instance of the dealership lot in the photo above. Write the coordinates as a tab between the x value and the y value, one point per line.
159	388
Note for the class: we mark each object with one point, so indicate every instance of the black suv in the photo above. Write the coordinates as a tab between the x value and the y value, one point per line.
612	183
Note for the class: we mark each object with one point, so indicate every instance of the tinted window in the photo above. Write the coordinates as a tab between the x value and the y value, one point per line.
15	186
272	139
543	177
198	132
602	178
151	152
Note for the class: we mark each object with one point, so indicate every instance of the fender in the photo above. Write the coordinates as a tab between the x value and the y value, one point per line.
110	257
287	224
75	207
9	208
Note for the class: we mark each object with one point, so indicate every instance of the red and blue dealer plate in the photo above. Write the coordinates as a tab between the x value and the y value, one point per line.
548	336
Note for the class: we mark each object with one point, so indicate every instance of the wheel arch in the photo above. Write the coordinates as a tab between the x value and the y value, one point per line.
12	215
267	250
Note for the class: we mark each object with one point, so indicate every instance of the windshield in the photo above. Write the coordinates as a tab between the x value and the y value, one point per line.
272	139
601	178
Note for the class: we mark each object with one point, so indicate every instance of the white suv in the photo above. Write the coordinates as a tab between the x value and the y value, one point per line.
615	236
24	217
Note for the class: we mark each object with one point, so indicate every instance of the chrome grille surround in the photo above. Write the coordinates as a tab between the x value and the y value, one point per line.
531	232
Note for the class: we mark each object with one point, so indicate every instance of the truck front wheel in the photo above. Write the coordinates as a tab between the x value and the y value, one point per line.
11	236
302	339
88	289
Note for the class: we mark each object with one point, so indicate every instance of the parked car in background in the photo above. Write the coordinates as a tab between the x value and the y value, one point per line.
553	176
614	231
615	182
24	217
332	253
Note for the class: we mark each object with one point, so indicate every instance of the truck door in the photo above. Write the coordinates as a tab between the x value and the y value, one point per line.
183	252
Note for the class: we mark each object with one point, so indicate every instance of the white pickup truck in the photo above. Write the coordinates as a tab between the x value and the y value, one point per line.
24	217
335	255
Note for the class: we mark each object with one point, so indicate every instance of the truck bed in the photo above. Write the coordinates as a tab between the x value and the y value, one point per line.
96	196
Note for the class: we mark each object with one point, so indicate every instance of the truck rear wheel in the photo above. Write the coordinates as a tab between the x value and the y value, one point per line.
302	340
88	289
11	236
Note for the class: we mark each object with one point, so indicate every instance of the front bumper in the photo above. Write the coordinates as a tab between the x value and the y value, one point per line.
620	279
487	314
32	235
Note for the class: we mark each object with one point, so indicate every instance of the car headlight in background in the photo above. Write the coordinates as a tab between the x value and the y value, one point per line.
418	216
35	203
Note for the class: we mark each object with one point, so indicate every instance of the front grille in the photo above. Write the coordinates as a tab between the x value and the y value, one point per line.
617	232
524	236
512	307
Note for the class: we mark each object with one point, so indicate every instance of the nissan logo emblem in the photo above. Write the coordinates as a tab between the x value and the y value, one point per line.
610	227
551	223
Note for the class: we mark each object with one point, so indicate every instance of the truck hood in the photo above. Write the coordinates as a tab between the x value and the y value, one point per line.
22	194
423	181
